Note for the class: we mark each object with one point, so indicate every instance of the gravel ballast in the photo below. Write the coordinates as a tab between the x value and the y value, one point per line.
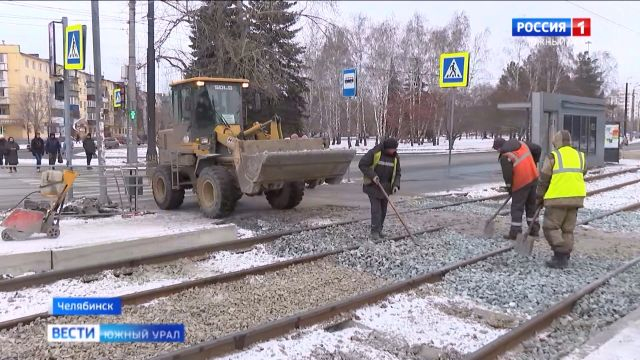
517	284
207	312
591	314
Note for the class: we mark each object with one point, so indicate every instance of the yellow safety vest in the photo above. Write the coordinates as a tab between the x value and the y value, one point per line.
376	160
568	169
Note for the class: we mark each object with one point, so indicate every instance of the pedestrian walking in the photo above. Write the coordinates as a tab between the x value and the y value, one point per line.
562	191
519	163
37	149
12	154
381	165
3	150
52	147
89	149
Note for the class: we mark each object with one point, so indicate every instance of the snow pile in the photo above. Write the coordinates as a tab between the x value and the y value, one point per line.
225	261
475	191
245	233
459	146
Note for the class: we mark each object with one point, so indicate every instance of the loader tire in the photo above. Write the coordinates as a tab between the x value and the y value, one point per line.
286	198
217	191
166	198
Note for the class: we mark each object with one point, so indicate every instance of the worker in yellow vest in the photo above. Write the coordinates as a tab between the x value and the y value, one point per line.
562	191
381	165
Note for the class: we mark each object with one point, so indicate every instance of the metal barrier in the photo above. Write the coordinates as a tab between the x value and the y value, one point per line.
14	186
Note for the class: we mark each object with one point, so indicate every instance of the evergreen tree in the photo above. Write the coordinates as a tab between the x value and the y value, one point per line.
253	40
588	77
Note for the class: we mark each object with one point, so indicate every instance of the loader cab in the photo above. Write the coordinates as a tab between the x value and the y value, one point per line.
202	103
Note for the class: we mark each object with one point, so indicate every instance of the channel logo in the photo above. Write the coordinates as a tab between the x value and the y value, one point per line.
116	333
551	27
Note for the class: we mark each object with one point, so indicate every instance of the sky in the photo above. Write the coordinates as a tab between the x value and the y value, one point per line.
614	28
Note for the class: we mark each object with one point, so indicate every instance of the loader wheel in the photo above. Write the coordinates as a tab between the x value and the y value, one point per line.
286	198
166	198
217	191
53	232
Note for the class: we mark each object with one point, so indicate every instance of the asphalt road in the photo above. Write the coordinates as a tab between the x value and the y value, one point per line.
420	174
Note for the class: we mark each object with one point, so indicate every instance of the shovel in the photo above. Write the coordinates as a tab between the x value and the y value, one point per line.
490	226
415	241
524	244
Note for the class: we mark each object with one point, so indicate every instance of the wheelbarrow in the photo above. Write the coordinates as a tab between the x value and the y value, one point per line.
21	223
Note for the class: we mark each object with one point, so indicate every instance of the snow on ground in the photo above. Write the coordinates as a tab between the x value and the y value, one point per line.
416	320
475	191
36	300
78	232
113	157
225	261
245	233
459	146
616	198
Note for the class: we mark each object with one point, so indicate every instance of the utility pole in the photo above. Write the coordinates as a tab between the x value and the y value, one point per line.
626	105
67	110
152	154
132	145
633	102
97	77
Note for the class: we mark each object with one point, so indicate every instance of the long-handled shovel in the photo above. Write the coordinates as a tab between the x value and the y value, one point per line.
490	226
397	213
524	244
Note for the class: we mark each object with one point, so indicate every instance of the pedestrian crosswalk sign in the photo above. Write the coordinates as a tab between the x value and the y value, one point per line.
74	46
454	69
117	98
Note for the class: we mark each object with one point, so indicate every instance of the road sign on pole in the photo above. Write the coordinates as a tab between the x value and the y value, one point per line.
74	46
454	69
117	98
349	83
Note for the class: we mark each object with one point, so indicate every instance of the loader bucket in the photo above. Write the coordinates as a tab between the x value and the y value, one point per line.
268	164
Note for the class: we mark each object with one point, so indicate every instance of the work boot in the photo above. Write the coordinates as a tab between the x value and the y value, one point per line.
513	234
535	230
375	236
558	261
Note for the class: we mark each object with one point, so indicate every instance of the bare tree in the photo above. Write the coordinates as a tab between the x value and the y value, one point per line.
34	107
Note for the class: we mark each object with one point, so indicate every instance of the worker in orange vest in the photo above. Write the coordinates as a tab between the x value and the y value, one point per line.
519	162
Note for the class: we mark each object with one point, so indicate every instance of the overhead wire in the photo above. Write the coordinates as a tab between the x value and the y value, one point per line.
604	17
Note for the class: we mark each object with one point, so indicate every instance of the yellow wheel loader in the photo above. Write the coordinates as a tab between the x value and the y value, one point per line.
212	149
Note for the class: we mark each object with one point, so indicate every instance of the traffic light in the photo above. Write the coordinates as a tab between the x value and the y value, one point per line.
132	114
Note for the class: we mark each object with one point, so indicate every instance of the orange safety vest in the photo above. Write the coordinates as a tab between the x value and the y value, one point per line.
524	168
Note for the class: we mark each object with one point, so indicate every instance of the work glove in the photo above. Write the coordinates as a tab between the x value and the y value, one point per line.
376	180
395	189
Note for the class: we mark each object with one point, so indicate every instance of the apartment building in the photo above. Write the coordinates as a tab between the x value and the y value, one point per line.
25	78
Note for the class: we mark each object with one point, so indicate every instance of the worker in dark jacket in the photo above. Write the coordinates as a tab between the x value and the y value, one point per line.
562	191
52	147
380	165
37	149
12	154
519	163
89	149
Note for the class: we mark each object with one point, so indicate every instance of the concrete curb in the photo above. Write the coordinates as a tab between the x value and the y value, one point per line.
101	253
619	340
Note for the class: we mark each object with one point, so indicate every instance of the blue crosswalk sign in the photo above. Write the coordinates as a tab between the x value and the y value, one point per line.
454	69
74	46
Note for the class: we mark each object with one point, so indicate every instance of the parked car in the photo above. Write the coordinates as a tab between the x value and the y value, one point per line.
111	143
123	140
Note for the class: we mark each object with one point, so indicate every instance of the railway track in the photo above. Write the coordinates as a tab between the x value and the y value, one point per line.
55	275
241	340
278	327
